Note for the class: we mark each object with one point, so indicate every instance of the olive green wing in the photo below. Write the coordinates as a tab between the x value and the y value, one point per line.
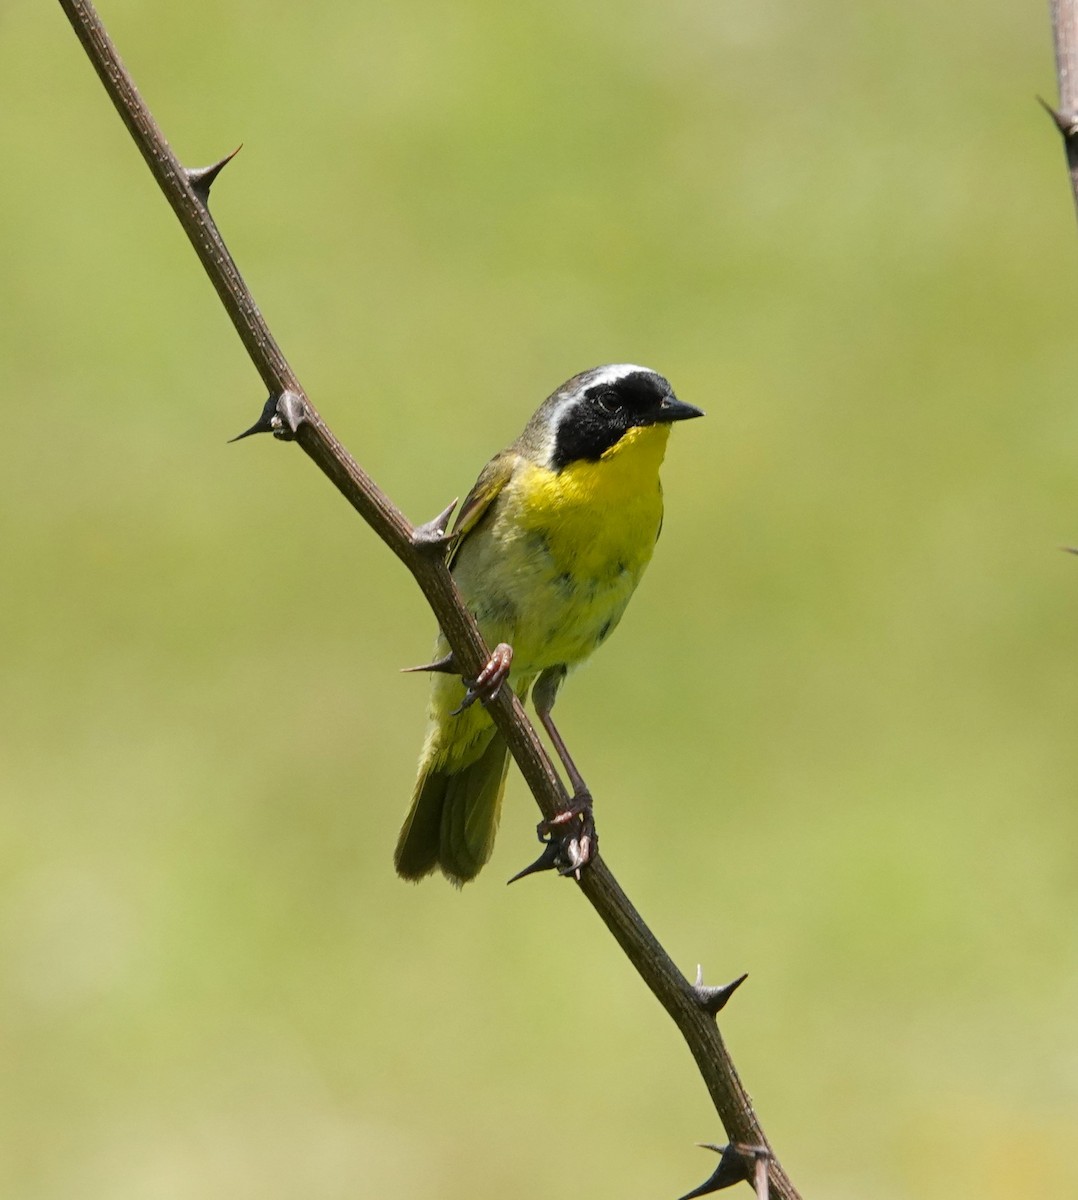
493	477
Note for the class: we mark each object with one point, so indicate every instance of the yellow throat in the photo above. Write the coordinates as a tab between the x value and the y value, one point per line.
594	512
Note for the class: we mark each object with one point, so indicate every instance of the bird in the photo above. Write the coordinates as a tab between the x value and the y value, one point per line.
546	551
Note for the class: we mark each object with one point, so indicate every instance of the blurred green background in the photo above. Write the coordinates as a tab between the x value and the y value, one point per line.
846	233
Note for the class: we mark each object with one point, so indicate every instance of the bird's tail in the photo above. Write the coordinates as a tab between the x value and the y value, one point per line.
455	810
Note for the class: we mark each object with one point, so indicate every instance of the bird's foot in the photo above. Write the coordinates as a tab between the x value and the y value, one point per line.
573	831
487	684
571	841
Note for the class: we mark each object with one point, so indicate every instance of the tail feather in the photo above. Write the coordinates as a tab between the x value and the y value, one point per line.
454	816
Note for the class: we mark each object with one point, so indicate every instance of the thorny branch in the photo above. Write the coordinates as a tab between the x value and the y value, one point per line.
291	416
1065	36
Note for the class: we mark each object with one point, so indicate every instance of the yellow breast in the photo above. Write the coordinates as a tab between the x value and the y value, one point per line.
563	552
599	518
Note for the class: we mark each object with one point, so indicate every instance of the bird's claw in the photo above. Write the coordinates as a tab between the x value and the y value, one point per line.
570	841
487	684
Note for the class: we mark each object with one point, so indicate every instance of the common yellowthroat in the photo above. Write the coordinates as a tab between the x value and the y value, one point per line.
546	550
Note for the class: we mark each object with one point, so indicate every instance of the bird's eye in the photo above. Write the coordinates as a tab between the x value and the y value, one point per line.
609	401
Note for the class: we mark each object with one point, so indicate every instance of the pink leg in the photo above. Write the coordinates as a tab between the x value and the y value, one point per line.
570	837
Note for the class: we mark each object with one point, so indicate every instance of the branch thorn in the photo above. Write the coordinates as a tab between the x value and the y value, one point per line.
445	666
264	424
549	860
433	532
713	999
733	1168
1067	124
281	415
738	1162
292	409
201	178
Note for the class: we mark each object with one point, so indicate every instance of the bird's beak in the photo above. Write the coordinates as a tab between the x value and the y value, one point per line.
673	409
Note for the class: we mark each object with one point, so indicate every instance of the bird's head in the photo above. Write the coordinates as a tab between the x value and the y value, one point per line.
592	412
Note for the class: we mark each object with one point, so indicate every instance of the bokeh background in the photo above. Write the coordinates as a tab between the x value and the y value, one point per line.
832	742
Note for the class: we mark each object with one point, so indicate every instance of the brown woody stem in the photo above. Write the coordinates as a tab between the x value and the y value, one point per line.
1065	36
187	192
